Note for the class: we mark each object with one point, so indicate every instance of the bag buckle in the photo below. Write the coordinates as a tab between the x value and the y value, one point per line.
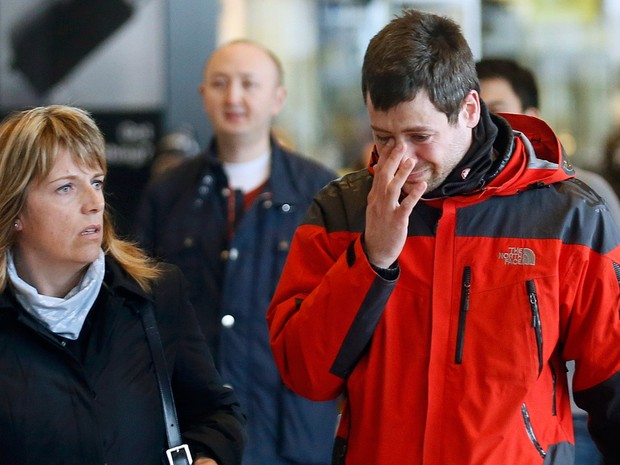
179	455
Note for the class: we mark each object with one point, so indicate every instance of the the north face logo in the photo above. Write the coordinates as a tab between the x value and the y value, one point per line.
518	256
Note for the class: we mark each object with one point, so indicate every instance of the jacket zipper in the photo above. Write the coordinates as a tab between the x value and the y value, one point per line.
617	271
463	309
536	324
530	431
554	378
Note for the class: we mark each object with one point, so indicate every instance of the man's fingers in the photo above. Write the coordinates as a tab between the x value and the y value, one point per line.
403	172
389	159
414	196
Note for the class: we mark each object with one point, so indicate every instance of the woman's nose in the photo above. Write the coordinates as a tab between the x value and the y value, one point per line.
94	201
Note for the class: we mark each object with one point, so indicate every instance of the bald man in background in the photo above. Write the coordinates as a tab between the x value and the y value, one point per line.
226	218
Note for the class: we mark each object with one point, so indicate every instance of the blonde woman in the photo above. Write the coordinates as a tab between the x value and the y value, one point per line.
77	384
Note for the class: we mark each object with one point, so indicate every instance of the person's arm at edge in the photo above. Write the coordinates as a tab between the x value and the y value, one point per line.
598	365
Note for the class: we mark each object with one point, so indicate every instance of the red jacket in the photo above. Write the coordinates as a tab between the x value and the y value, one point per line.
461	358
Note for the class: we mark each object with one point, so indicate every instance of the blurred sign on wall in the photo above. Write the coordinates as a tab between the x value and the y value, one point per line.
106	56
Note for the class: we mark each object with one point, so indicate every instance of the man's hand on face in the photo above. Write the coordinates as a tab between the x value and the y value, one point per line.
389	208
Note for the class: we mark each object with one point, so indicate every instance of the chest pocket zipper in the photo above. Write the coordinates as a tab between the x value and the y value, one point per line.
536	324
463	309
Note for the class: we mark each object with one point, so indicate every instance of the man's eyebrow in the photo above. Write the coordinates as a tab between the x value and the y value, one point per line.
419	128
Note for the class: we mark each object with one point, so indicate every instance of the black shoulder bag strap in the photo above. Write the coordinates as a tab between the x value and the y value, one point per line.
177	452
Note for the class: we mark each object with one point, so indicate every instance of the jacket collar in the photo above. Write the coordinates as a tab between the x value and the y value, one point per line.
119	283
537	157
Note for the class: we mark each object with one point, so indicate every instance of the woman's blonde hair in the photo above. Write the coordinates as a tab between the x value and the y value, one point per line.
29	144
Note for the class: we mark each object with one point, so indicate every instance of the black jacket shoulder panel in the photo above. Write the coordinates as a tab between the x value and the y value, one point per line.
569	211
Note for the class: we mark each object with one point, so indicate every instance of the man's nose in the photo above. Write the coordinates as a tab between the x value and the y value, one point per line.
233	92
408	149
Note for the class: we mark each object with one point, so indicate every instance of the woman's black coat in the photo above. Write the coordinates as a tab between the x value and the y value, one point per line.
96	400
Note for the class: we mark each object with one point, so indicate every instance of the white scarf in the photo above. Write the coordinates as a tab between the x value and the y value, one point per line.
64	316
